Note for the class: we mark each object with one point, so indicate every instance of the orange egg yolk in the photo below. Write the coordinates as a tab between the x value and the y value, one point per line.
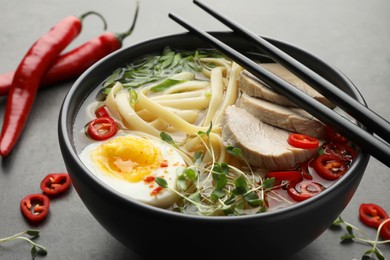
127	157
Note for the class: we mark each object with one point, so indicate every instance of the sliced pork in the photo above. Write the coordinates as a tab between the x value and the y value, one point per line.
262	145
252	86
291	119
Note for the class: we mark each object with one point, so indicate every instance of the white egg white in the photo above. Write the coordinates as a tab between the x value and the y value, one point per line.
141	191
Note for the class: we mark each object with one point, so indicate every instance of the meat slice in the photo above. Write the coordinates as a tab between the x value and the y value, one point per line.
262	145
252	86
291	119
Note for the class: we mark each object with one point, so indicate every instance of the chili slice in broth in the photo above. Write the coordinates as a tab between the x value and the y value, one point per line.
330	167
285	176
303	190
302	141
102	128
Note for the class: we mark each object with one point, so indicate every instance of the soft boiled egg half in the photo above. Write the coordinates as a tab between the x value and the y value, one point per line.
130	163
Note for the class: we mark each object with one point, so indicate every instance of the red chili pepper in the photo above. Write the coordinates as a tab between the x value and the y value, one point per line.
35	207
102	112
305	170
302	141
74	63
345	151
287	176
372	215
55	183
330	166
332	135
385	230
102	128
29	74
300	191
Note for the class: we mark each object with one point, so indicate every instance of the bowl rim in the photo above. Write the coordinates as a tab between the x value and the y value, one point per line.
67	144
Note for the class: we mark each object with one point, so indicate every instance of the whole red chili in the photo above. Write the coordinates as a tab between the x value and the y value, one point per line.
35	207
330	166
300	191
372	214
28	76
385	230
102	128
55	183
73	63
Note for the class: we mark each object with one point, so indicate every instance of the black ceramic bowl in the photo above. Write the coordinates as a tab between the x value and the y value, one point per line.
151	231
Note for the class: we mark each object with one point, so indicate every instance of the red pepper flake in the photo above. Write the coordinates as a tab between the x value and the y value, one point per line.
156	191
149	179
164	164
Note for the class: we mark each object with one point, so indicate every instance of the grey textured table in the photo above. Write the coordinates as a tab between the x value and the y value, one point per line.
353	35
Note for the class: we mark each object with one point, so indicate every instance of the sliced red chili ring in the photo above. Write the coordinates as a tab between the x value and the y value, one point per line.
285	176
372	215
385	230
35	207
102	112
305	171
332	135
302	141
343	150
55	183
330	167
102	128
300	191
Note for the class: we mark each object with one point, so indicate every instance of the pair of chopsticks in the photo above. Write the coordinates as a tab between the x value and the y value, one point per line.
375	146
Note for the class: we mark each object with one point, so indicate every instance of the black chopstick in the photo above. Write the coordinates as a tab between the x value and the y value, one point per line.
367	117
371	144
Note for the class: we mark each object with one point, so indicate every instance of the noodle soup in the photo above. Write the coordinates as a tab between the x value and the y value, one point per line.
162	130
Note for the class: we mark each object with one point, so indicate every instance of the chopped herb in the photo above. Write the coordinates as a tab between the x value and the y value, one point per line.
165	84
153	68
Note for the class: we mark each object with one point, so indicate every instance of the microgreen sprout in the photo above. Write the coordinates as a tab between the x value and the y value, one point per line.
353	233
36	248
216	188
167	138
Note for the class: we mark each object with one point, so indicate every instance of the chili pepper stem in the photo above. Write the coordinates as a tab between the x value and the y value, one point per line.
97	14
123	35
